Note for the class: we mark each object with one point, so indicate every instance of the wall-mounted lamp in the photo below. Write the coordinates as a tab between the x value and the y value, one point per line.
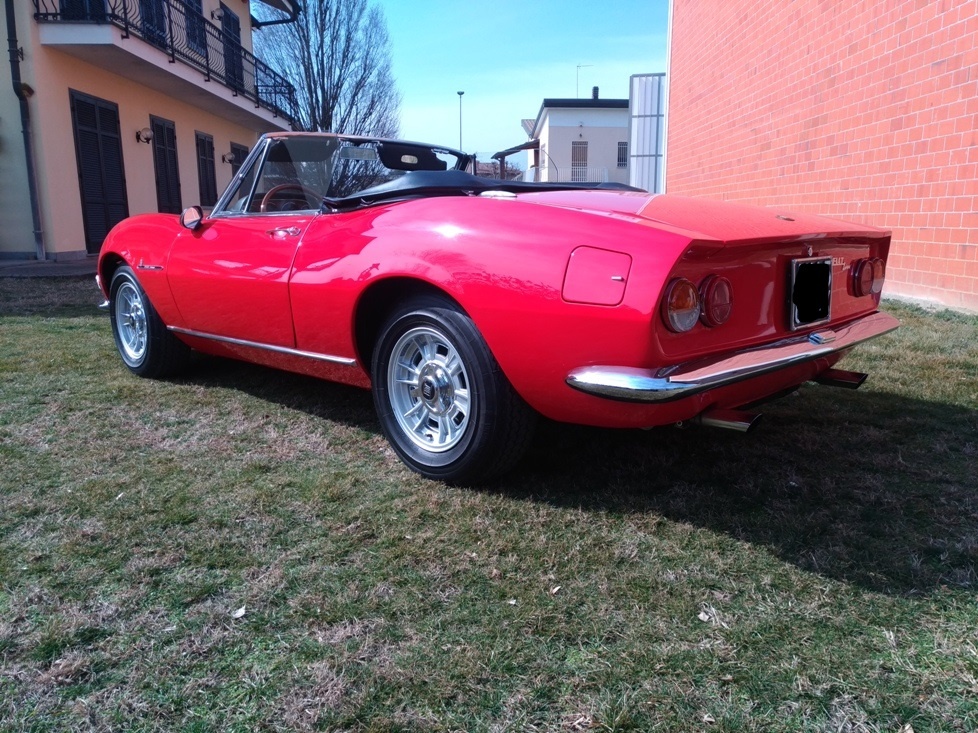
217	15
228	158
144	136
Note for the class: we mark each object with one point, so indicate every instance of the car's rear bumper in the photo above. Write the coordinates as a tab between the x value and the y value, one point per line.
682	380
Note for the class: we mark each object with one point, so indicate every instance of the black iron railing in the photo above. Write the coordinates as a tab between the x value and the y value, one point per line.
180	30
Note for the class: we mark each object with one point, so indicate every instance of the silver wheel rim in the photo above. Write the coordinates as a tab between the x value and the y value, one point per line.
130	318
429	389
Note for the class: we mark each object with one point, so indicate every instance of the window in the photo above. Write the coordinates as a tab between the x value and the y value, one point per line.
168	200
98	149
297	173
206	176
233	60
292	175
83	10
622	155
579	160
240	152
152	17
196	32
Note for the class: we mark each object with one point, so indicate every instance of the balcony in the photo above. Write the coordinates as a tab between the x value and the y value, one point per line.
180	33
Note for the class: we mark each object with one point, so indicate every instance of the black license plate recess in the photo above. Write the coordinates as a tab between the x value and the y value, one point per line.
811	291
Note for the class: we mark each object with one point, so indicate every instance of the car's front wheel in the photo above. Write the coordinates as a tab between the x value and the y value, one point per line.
144	344
443	402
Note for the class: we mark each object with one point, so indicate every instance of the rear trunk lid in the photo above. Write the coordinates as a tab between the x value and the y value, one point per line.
791	273
707	220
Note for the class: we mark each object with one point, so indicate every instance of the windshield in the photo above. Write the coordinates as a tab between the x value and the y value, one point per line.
297	173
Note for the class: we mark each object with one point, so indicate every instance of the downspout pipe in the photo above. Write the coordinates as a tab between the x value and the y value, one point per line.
25	121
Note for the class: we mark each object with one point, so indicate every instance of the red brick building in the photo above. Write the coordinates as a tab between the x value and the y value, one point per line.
861	110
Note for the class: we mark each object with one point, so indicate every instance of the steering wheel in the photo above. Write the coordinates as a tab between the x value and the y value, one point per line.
306	193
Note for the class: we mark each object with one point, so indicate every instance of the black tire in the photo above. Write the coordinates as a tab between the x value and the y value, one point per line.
147	348
444	404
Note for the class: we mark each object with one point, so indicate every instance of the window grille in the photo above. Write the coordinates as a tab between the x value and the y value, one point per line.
579	160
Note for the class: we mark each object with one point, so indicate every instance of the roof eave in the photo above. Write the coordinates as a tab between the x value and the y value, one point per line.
291	8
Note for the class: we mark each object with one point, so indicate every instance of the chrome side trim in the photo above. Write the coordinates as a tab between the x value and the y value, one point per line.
141	266
682	380
345	361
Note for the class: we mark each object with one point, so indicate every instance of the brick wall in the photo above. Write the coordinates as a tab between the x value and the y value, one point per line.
865	111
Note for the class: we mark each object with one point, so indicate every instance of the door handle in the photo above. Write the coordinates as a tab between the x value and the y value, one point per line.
283	232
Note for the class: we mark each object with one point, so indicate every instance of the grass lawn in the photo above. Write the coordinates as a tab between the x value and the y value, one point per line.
239	550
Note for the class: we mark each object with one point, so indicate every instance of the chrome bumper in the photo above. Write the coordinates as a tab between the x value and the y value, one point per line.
682	380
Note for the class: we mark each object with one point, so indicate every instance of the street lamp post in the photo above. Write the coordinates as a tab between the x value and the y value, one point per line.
460	120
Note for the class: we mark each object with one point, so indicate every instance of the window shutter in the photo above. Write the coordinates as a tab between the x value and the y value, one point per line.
168	200
206	174
101	174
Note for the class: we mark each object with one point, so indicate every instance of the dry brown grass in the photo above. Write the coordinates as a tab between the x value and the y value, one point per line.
817	575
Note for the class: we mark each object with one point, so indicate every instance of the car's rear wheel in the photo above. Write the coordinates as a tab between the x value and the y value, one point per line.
145	345
443	402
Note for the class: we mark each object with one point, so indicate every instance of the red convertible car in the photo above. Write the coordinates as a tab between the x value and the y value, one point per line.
471	306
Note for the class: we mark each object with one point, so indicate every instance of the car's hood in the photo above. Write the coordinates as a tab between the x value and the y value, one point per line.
705	219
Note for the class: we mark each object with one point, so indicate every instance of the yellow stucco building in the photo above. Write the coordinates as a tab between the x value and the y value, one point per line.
115	107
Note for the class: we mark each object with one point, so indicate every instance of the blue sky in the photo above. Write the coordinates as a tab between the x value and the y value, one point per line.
508	55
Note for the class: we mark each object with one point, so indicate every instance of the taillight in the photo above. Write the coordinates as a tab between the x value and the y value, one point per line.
681	306
717	297
878	268
867	277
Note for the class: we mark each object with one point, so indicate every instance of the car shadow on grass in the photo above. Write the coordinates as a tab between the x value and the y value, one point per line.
331	401
865	487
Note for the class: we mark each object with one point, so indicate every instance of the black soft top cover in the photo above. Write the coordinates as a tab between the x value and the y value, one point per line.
418	184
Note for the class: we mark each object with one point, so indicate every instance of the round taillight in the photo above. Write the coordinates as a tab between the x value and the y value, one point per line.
877	285
717	297
867	277
681	307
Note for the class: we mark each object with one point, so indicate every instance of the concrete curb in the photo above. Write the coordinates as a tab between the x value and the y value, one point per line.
34	268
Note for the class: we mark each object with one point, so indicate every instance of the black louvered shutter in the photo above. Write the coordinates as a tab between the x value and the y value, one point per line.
101	176
83	10
168	199
196	30
206	174
240	152
233	62
152	15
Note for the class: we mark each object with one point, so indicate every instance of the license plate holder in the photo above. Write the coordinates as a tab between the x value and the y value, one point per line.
811	292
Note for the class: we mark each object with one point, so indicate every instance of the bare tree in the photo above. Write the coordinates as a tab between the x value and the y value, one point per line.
337	55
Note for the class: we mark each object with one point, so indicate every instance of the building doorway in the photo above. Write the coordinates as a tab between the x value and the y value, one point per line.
101	176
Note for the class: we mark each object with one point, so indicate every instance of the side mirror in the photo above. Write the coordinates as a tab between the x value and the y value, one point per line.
191	218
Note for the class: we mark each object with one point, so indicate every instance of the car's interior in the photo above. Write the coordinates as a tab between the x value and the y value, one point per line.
309	172
298	173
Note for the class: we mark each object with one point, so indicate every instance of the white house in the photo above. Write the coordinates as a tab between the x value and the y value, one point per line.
580	140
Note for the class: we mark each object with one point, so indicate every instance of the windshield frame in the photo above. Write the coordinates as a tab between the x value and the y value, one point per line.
255	164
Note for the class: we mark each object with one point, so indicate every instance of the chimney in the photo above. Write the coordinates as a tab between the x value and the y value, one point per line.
594	92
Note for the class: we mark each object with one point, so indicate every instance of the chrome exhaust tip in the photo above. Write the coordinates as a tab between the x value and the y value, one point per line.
742	422
841	378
